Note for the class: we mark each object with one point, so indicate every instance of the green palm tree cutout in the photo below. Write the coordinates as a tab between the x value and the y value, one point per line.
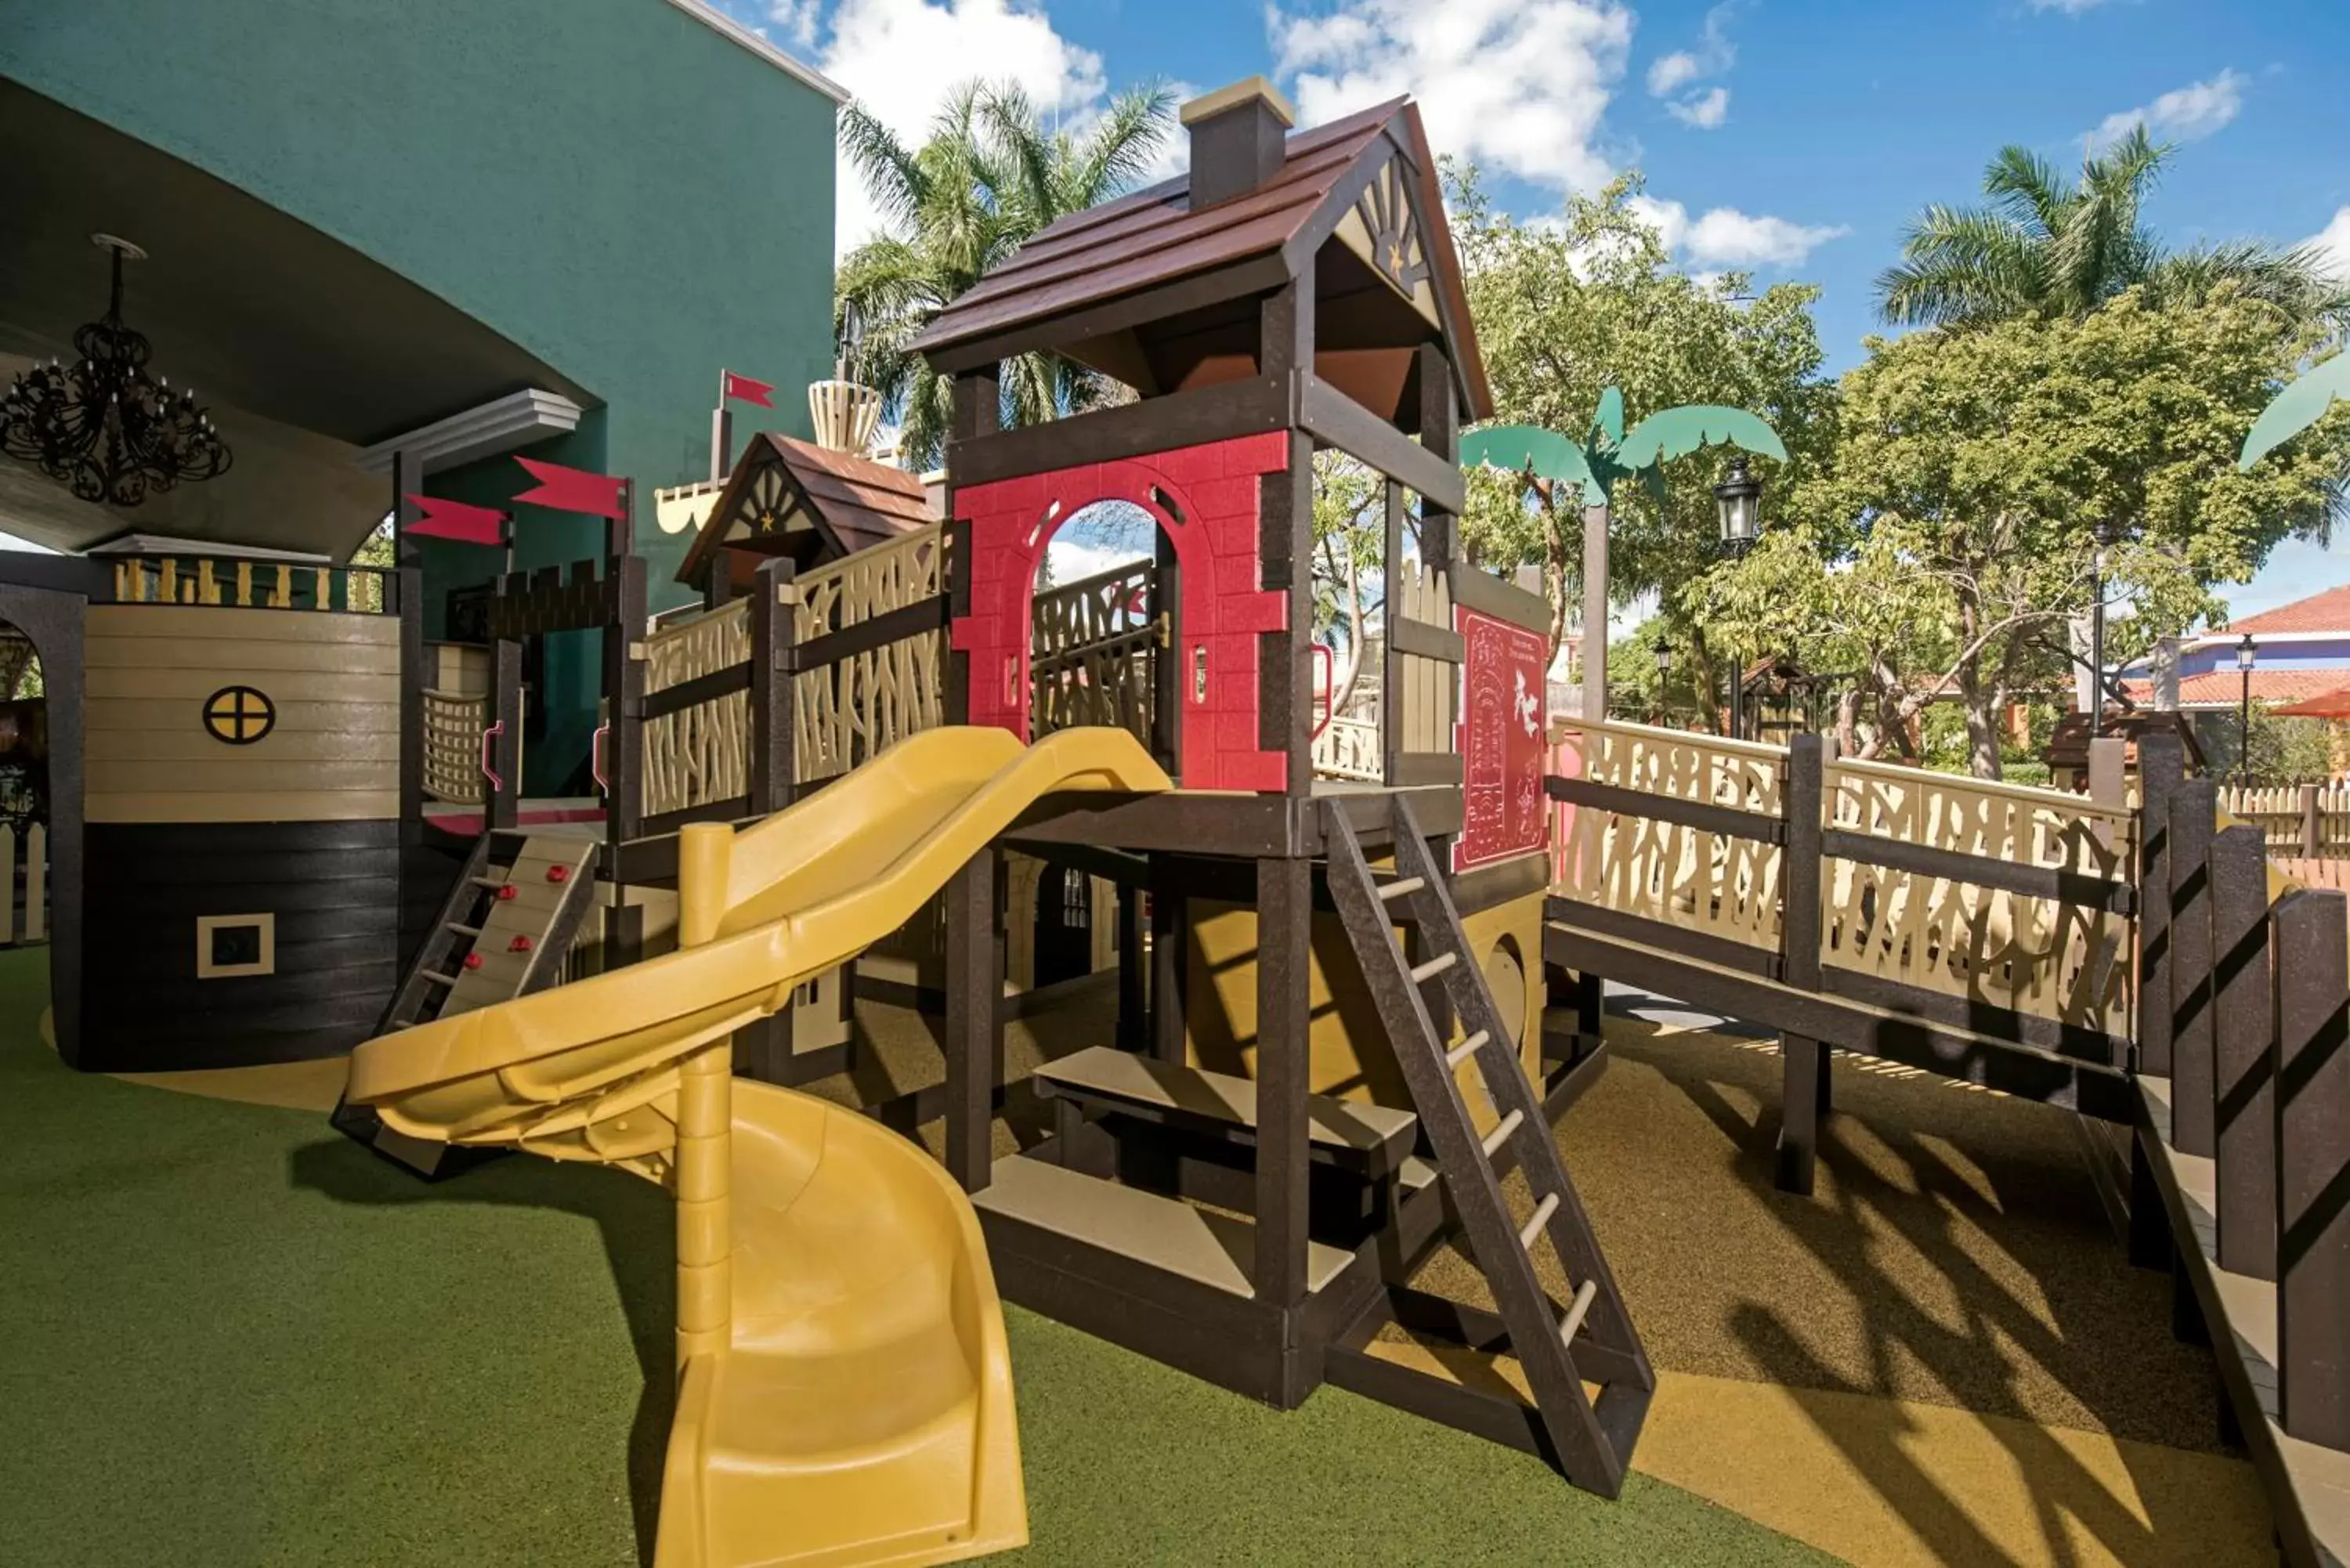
2302	404
1609	454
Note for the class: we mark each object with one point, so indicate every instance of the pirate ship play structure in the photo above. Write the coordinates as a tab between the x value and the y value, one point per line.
897	757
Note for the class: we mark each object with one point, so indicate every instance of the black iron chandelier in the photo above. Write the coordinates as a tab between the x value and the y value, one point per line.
102	425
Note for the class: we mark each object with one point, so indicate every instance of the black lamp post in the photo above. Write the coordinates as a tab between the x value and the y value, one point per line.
1664	678
2246	652
2105	538
1738	506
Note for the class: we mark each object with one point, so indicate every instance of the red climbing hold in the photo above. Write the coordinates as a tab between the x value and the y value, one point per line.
559	873
473	960
507	891
519	945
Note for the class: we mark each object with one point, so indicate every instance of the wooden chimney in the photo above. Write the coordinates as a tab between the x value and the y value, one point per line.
1237	140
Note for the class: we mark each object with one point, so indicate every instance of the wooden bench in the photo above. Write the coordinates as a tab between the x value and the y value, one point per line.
1369	1140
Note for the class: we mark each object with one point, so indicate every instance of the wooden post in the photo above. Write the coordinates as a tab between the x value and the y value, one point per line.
2162	768
1391	658
773	618
2313	832
2243	1003
502	794
1593	645
1803	1097
978	409
1171	938
1133	1010
408	582
2192	808
1284	913
1440	426
1285	549
2312	1150
975	1031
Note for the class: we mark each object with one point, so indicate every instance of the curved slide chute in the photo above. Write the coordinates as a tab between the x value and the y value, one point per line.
845	1394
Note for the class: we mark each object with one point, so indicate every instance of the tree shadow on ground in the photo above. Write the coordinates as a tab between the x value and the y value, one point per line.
1903	1176
637	1223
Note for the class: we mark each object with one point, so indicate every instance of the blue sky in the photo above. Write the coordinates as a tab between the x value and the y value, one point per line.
1792	140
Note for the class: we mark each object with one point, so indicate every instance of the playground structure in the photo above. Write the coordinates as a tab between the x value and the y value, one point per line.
1356	970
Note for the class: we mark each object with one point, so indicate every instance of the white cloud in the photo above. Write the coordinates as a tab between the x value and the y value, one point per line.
901	58
1726	237
2183	114
1704	111
2070	7
1674	71
1712	56
1518	85
796	19
2331	244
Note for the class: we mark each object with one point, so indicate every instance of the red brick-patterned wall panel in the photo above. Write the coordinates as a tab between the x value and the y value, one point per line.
1205	499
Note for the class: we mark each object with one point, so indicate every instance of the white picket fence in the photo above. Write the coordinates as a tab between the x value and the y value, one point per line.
36	883
2300	820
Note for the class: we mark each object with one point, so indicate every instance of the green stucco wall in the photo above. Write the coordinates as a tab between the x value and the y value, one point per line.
613	186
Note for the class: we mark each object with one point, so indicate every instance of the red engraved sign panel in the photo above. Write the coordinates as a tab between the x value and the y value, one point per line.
1501	736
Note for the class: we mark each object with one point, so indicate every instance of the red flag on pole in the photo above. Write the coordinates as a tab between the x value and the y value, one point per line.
744	389
565	489
458	520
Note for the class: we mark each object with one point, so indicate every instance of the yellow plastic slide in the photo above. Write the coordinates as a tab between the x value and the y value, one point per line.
845	1396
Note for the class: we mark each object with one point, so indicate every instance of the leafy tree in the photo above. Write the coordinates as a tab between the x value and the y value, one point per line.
2284	751
1349	565
2047	244
1950	540
1567	309
988	176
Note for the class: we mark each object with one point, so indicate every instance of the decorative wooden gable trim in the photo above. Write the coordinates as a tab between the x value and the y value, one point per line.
762	501
1383	227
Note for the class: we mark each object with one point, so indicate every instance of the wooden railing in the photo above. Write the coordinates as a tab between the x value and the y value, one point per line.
871	666
1349	749
698	754
2046	954
849	660
454	724
1930	886
254	585
1096	645
2310	821
2242	1150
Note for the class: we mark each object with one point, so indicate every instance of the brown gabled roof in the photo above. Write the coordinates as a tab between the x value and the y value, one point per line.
854	501
1152	237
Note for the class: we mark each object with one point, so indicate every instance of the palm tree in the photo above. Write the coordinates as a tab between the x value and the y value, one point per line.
2049	245
988	176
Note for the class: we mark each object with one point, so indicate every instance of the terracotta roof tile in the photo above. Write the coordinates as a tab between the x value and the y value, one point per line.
2225	687
2328	611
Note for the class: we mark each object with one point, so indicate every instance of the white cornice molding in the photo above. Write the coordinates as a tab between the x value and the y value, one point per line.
727	27
513	421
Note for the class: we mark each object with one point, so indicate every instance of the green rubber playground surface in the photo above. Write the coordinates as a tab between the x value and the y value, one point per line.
233	1337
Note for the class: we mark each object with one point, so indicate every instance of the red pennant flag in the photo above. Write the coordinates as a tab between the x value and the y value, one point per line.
457	520
744	389
562	489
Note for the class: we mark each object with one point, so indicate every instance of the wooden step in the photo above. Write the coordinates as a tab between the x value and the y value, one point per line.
1374	1136
1209	1249
1402	886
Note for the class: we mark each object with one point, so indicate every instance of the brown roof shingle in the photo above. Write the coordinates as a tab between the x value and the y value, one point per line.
1152	237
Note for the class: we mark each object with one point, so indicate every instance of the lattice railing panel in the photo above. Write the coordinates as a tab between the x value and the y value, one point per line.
453	746
1709	882
698	754
846	713
1349	749
2008	951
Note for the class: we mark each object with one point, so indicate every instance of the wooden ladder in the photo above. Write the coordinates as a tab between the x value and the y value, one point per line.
436	975
1592	1340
